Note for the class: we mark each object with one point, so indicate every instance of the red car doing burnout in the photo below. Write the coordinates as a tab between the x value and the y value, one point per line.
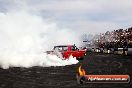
67	50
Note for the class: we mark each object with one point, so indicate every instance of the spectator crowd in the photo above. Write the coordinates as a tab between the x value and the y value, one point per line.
121	38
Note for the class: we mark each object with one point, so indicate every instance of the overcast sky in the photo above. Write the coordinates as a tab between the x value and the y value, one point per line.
86	16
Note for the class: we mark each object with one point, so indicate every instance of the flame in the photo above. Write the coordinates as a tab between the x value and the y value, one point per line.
81	71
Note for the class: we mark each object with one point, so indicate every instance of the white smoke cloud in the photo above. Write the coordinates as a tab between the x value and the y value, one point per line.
24	37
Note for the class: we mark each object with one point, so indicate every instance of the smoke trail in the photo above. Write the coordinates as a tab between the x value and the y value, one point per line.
24	37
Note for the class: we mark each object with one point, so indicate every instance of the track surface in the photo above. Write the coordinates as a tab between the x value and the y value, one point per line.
58	77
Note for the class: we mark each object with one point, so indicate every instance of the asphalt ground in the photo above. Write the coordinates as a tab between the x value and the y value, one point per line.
65	76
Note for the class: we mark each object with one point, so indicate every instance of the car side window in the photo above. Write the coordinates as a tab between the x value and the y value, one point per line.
58	48
65	48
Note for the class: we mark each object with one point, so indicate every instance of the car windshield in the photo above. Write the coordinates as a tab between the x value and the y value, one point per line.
74	48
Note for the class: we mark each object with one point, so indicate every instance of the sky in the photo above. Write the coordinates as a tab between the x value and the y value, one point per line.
83	16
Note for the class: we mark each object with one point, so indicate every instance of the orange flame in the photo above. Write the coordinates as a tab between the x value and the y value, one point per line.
81	71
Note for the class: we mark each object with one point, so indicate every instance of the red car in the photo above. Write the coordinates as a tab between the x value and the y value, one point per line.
67	51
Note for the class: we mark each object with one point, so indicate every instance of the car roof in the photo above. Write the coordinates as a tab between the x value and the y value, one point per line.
63	45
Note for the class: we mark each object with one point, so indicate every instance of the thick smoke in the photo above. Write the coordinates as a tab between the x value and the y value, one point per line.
25	37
